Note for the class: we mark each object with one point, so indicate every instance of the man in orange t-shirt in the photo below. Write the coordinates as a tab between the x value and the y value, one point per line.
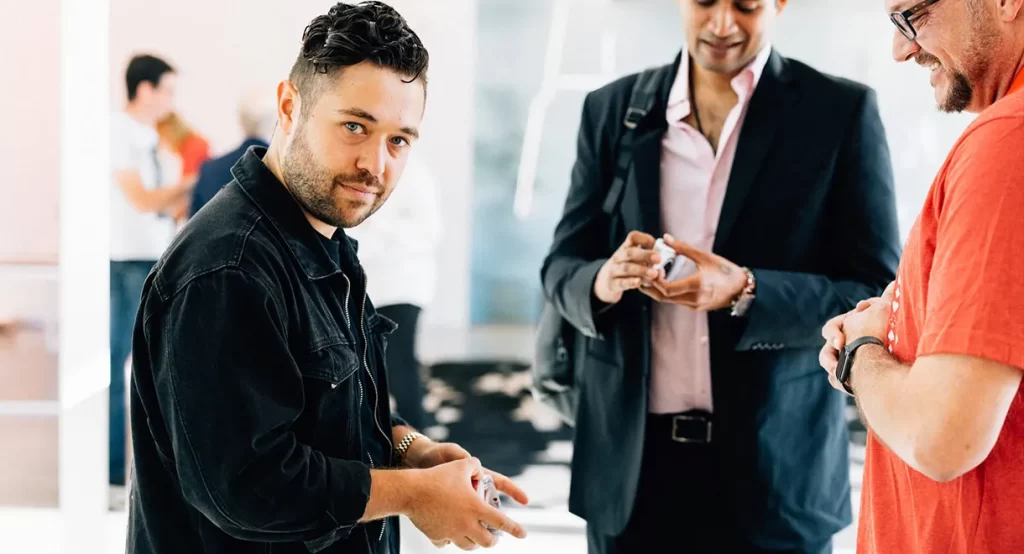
936	363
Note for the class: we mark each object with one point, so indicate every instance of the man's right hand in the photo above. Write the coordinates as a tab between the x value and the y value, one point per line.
447	508
628	268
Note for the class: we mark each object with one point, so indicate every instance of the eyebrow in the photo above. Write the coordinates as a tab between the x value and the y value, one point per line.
363	114
904	6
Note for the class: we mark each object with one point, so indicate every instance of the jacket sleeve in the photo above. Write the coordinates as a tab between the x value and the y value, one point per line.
230	394
862	246
579	247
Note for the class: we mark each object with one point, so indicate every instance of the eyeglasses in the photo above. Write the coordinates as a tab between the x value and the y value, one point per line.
902	19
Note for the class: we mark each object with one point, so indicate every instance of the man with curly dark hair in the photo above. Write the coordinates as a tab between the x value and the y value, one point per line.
259	398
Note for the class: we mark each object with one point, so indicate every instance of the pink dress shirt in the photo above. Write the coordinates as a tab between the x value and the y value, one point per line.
693	182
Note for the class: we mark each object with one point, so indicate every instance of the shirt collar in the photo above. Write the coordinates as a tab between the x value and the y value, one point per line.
743	83
1018	82
276	203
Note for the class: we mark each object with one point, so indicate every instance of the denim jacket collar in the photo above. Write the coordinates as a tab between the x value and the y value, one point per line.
284	213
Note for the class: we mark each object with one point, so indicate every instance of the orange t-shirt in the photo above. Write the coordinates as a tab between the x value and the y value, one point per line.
194	151
960	290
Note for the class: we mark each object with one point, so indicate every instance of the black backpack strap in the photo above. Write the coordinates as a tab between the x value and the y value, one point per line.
644	92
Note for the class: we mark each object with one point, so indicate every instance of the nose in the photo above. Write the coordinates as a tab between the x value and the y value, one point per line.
373	158
722	19
903	49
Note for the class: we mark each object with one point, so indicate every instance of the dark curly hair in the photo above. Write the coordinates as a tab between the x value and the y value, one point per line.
354	33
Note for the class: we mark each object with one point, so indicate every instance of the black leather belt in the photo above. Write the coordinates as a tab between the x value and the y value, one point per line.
688	427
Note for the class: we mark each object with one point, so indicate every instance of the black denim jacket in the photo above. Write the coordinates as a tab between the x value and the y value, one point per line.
259	401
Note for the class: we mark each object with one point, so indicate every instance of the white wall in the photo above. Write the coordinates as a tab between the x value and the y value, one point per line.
29	43
222	47
54	261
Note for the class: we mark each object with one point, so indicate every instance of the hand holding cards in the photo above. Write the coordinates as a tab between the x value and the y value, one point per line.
675	266
489	494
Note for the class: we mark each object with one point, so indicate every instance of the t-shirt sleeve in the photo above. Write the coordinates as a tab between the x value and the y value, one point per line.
976	286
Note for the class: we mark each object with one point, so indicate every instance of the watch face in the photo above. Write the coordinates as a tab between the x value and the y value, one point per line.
843	369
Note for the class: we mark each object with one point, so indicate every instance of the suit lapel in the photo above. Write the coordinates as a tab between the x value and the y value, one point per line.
767	111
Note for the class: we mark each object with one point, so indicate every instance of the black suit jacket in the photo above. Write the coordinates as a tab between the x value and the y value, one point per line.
810	208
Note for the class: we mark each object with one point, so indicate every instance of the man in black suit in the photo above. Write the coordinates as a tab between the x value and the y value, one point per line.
702	423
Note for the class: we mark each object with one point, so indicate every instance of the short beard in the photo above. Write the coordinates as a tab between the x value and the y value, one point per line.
960	94
980	46
312	185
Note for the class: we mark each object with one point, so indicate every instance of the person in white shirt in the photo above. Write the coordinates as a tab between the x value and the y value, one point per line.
397	249
140	228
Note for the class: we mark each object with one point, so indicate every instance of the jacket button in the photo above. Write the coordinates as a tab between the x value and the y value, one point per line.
334	386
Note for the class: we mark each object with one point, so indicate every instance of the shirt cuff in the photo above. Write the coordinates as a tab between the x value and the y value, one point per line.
349	494
397	421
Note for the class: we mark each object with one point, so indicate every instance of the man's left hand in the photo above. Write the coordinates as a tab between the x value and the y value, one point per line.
870	319
428	454
714	285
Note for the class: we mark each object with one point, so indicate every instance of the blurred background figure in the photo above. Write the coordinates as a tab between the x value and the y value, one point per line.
398	248
187	149
140	229
257	118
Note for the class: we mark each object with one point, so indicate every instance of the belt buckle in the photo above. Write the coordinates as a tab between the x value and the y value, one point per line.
675	426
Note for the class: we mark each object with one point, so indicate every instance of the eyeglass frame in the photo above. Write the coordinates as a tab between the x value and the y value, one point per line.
903	18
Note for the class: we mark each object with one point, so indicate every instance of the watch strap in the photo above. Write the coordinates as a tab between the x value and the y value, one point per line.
403	446
845	368
741	304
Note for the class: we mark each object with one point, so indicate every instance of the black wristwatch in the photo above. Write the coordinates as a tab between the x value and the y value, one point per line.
845	367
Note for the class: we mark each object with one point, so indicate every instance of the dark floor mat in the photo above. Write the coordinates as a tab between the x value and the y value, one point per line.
487	426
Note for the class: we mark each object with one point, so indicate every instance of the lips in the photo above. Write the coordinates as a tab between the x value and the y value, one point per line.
722	46
359	188
359	191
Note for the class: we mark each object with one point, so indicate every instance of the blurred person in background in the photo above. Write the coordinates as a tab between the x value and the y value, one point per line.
259	396
190	151
257	118
700	419
936	362
398	250
140	226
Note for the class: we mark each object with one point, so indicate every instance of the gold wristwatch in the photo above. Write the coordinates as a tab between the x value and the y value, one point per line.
403	446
